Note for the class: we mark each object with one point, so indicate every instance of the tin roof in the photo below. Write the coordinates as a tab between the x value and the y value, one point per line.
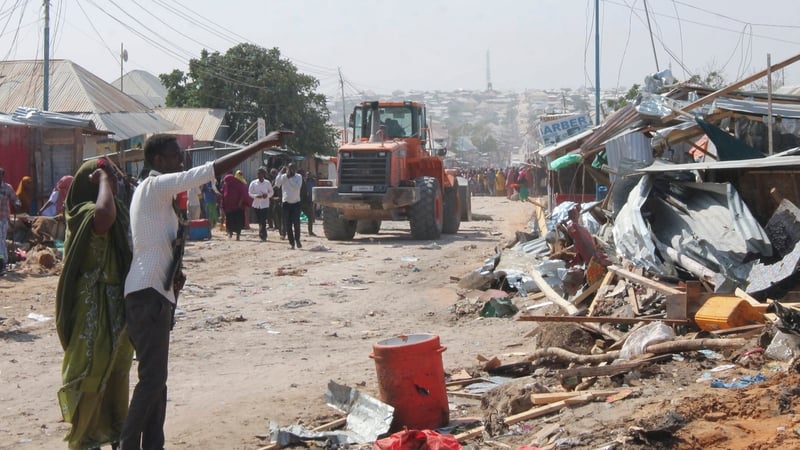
202	123
73	89
76	91
143	86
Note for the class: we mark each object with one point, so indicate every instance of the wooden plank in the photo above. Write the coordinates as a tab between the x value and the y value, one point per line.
598	319
511	420
607	279
632	300
551	294
732	87
587	292
745	296
552	397
661	287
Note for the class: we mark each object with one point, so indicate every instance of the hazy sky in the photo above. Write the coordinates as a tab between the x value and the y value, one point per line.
419	44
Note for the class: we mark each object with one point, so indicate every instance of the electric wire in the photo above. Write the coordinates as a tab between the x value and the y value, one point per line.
680	32
589	28
100	36
743	22
625	49
707	25
14	41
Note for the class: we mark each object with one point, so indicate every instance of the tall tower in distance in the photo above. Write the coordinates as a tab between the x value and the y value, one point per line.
488	74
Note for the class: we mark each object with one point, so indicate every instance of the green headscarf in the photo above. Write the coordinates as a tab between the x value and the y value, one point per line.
79	211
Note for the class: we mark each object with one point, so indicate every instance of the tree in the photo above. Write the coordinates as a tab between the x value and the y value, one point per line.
629	96
253	82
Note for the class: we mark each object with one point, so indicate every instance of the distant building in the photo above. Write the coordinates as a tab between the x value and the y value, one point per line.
144	87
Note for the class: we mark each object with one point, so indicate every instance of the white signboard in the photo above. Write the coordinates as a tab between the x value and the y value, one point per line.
560	128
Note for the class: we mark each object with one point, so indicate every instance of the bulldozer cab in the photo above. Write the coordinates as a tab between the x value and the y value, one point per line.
398	120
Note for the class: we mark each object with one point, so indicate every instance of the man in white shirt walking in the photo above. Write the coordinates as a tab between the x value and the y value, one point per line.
153	283
291	183
260	191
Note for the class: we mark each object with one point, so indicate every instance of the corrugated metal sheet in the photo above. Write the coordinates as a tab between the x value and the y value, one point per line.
758	107
202	123
143	86
73	89
760	163
14	152
628	151
78	92
713	226
127	125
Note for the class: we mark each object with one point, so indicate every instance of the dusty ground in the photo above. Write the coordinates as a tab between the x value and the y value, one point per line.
264	329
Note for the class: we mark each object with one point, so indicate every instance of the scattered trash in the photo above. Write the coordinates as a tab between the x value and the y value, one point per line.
740	382
39	317
498	307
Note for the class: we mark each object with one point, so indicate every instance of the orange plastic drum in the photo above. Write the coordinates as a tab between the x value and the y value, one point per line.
411	379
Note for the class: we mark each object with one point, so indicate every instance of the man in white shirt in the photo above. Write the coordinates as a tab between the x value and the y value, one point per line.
193	202
260	191
290	183
153	281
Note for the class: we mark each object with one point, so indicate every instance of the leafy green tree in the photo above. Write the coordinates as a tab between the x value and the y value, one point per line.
253	82
713	79
621	101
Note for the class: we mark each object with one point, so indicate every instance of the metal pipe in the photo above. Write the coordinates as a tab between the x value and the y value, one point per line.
769	102
597	62
46	68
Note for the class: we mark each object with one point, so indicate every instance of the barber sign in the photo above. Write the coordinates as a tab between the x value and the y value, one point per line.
555	129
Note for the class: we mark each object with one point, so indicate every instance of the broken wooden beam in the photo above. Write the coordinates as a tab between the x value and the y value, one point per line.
661	287
551	294
552	397
510	420
596	319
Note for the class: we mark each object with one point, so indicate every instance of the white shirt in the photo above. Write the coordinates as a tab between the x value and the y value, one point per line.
154	225
290	187
260	188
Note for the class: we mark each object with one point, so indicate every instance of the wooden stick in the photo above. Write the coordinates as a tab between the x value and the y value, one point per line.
661	287
600	319
510	420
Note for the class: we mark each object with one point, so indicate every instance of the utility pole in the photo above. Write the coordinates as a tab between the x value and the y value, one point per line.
123	57
46	68
649	28
597	62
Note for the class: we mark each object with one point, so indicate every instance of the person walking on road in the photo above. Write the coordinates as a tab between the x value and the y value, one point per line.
291	183
155	279
260	191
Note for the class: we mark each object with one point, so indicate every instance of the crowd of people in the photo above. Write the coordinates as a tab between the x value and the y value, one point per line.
517	182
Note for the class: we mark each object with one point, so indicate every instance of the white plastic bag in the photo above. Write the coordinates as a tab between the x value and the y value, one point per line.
638	341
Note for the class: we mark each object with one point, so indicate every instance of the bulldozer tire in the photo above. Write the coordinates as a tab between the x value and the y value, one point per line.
335	227
368	226
466	199
427	215
452	210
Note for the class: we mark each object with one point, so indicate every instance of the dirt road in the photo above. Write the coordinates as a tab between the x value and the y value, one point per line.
264	328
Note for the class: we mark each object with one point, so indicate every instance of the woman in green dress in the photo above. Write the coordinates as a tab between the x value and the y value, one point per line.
90	309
